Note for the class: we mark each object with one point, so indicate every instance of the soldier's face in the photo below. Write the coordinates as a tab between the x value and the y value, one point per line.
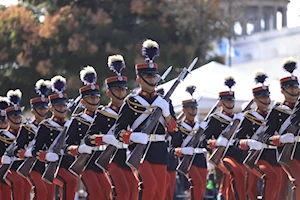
190	112
59	111
40	113
150	79
119	92
227	105
262	102
3	125
91	102
290	93
14	121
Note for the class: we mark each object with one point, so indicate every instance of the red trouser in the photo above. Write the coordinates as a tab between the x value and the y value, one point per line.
154	178
42	190
125	183
198	176
295	170
236	173
282	192
5	192
16	184
67	183
171	181
96	184
272	177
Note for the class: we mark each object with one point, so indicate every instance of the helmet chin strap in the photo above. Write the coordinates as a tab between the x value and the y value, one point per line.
229	108
266	104
39	113
60	111
293	95
116	95
92	104
152	85
13	121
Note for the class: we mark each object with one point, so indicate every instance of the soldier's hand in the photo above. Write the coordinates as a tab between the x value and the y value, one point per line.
253	144
221	141
187	151
85	149
163	105
6	159
51	157
287	138
139	137
110	139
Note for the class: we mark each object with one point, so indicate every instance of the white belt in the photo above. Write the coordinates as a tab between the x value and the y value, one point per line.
157	138
122	145
100	148
200	150
269	146
297	138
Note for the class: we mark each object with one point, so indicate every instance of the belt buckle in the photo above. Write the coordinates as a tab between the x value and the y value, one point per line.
153	137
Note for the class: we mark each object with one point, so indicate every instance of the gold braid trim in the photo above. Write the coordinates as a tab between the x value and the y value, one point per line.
255	120
108	114
84	121
221	119
7	140
48	125
283	110
187	132
29	129
131	104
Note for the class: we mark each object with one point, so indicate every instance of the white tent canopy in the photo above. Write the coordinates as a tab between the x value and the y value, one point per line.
209	81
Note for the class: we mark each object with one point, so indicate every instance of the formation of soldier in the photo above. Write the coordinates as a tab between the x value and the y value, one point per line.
131	148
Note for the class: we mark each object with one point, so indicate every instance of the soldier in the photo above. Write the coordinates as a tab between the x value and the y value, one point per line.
116	90
20	187
188	126
132	116
39	109
278	122
268	169
93	179
5	192
233	180
49	129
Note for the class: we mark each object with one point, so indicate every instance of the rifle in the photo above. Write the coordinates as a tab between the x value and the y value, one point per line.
229	133
108	154
135	157
52	167
187	160
5	167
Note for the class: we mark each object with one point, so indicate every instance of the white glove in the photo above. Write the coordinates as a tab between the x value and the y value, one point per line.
239	116
187	150
28	153
163	105
51	157
253	144
139	137
85	149
287	138
203	125
221	141
6	159
110	139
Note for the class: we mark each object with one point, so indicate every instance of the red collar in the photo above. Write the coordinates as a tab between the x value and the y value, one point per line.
290	105
35	122
59	120
13	131
228	114
148	94
261	112
189	122
113	107
89	113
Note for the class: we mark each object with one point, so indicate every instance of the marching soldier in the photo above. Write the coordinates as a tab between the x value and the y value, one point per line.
233	180
124	180
39	109
49	129
278	122
268	169
97	186
188	127
132	116
5	192
20	187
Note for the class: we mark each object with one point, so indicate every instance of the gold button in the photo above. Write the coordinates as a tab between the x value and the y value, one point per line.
135	113
108	125
51	139
80	134
29	138
79	128
79	123
108	119
280	120
51	134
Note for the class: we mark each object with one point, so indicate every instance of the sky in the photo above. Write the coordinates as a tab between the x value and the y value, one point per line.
293	11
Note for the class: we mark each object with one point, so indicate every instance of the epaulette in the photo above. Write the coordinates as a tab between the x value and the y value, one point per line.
80	119
214	115
50	126
186	131
134	105
4	138
29	128
248	115
103	112
284	109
